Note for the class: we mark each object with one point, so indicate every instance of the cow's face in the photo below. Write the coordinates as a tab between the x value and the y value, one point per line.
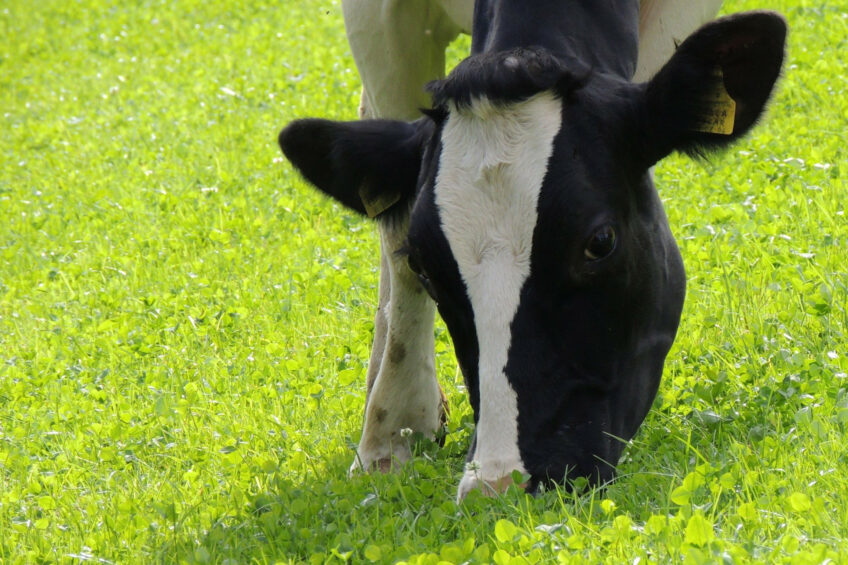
539	234
536	228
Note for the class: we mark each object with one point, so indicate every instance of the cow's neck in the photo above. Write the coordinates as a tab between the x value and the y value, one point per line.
602	34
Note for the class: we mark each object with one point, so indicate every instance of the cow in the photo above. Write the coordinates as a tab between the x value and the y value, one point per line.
520	203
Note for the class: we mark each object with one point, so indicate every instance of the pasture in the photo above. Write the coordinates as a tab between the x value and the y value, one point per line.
185	325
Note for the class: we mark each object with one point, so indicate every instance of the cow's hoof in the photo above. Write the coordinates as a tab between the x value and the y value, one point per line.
383	465
377	464
472	480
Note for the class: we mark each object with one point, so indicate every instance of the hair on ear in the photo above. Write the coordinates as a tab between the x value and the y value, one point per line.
716	85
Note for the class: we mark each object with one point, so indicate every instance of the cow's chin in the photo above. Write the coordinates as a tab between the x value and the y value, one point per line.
593	471
574	464
579	442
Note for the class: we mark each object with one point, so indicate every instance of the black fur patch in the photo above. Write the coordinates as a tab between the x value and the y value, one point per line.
508	76
745	51
370	166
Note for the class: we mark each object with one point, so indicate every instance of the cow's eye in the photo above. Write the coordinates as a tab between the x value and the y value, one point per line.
601	244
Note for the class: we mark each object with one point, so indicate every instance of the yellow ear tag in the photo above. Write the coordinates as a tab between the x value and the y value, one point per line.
376	203
721	109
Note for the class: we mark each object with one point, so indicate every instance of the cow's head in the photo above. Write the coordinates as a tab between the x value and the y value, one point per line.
535	226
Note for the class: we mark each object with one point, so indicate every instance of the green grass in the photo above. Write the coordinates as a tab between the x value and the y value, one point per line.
184	325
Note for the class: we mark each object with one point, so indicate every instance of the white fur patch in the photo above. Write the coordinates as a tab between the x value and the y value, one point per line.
493	163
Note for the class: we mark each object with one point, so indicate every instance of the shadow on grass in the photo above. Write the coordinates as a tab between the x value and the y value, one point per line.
325	516
334	517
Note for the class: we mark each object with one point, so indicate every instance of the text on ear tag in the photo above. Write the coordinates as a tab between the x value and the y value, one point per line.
720	109
377	202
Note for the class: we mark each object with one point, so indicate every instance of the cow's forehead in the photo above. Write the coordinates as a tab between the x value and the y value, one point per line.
492	164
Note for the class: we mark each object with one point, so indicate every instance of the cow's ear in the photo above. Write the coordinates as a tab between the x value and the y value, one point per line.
368	166
714	87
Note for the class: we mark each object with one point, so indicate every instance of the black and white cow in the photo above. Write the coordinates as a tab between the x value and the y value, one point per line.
522	204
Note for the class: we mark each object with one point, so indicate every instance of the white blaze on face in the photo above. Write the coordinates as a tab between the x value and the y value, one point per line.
492	165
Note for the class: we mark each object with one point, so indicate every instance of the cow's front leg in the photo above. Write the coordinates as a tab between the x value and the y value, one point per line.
403	391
